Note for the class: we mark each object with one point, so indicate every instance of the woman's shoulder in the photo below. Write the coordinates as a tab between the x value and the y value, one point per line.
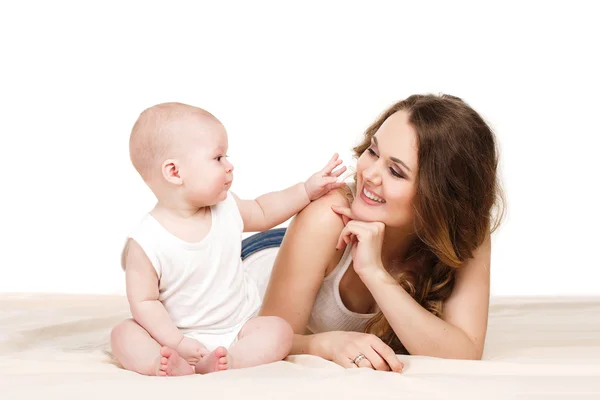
313	234
317	224
321	208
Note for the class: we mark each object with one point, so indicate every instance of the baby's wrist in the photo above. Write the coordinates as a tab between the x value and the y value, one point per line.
306	191
177	342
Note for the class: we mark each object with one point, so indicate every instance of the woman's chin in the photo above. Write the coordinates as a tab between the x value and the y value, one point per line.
365	213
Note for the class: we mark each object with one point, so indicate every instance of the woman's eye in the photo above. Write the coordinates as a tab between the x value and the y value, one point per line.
372	152
395	173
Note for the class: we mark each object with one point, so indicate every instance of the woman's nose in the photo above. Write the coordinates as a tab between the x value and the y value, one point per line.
372	175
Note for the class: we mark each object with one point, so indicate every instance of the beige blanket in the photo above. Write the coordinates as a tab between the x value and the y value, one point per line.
54	347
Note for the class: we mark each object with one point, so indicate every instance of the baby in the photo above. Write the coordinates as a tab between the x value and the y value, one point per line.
193	305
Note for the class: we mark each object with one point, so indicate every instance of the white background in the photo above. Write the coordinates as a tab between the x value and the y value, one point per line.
293	83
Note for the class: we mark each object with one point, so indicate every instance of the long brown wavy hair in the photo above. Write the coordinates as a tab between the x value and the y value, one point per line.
458	200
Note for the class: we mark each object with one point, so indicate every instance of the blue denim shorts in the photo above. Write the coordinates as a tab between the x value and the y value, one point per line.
262	240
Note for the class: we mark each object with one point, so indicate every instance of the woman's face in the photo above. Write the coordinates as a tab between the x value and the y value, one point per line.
386	174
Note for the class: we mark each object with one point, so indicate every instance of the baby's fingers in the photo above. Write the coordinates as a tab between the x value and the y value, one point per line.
338	172
334	162
336	185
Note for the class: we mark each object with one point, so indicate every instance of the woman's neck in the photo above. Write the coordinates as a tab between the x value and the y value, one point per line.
396	245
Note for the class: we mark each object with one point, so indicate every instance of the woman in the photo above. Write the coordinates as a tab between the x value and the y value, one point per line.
399	262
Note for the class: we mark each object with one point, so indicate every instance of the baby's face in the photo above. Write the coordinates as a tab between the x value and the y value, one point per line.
206	173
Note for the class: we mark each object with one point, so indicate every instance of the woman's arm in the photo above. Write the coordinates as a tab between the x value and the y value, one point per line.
461	332
307	250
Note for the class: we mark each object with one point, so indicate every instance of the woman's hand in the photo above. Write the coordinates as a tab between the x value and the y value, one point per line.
366	238
368	350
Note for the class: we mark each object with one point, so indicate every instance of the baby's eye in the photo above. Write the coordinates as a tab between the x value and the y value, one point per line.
372	152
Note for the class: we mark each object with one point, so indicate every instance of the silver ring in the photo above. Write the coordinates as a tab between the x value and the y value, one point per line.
358	359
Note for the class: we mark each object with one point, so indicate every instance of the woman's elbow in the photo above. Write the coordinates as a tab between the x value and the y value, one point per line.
474	353
468	352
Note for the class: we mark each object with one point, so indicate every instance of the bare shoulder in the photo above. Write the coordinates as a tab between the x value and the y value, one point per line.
306	254
317	222
141	279
129	244
124	254
315	230
134	257
320	209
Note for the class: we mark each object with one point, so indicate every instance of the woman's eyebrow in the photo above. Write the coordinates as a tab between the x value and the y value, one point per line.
394	159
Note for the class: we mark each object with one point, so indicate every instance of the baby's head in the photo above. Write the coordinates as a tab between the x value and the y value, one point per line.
180	152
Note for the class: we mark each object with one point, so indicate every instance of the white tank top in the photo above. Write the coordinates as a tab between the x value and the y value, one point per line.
329	312
203	285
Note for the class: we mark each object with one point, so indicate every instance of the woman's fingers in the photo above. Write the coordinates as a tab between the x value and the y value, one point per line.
368	351
348	234
346	360
375	360
366	358
364	363
387	354
351	233
343	211
353	353
343	240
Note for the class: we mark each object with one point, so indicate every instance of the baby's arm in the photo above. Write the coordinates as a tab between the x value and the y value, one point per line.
142	292
272	209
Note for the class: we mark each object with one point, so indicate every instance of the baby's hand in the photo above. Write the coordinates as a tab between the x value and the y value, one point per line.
191	350
325	180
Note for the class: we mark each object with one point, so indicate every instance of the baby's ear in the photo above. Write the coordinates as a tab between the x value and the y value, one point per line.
170	171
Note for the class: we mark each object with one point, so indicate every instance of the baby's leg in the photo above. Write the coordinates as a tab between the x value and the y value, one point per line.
137	351
262	340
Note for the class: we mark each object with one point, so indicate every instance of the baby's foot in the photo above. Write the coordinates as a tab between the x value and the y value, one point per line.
171	364
217	360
